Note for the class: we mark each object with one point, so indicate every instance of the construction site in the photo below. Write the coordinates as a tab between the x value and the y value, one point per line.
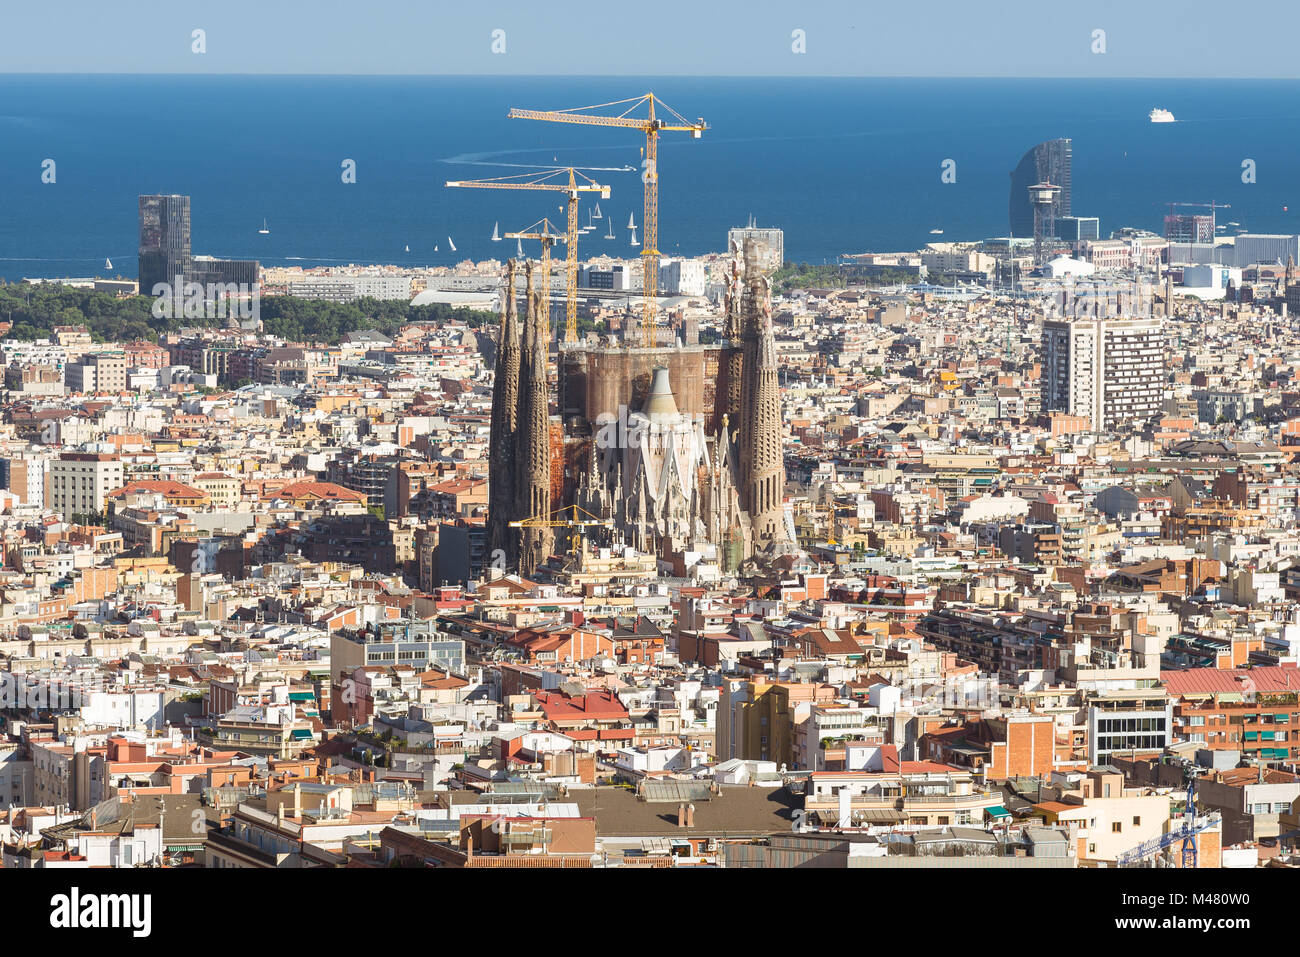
631	439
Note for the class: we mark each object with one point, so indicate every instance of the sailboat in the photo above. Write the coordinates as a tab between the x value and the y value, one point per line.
597	213
610	234
634	242
435	247
108	263
631	224
496	233
264	230
451	244
408	249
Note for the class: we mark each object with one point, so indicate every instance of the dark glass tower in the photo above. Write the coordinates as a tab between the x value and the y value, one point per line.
164	240
165	251
1048	162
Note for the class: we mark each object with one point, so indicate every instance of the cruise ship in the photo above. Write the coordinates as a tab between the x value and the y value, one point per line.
1161	116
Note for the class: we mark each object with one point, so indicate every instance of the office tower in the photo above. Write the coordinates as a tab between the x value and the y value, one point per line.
1048	162
165	251
1109	370
164	240
1078	229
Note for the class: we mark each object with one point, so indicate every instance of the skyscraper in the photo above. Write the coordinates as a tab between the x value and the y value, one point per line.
164	239
1048	162
1109	370
165	252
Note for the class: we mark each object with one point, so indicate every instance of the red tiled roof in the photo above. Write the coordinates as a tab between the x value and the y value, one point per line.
321	490
1224	680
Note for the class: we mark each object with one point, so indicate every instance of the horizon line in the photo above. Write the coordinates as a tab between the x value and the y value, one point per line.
662	76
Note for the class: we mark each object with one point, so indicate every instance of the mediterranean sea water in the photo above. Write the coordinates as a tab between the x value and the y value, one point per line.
842	165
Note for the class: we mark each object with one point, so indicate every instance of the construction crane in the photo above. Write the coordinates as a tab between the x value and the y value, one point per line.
1211	206
1185	835
565	179
571	517
543	230
652	125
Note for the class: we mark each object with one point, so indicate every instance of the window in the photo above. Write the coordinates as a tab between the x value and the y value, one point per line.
1116	828
1137	821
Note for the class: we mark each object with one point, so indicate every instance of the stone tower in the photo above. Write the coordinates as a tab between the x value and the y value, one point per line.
533	458
502	442
762	463
733	361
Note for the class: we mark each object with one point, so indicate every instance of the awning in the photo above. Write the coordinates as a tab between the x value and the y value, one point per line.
997	810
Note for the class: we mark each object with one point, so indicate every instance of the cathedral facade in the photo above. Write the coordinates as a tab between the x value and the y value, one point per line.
672	449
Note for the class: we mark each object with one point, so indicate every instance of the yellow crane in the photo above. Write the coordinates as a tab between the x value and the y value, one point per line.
652	125
571	517
543	230
565	179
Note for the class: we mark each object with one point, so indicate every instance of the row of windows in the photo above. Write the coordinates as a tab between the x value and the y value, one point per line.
1115	725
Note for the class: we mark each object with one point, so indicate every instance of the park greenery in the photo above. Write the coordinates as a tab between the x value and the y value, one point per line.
34	310
833	276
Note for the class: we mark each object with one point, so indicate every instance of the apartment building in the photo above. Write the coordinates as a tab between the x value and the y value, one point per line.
97	372
81	481
1108	370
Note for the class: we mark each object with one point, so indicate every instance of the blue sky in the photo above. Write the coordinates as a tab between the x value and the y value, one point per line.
1014	38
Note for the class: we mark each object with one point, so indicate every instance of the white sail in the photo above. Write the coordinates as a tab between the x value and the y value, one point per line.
634	242
496	233
519	248
610	234
597	213
451	244
630	221
408	249
264	230
108	263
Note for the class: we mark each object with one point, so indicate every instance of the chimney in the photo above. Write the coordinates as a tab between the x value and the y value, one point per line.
681	815
846	808
690	815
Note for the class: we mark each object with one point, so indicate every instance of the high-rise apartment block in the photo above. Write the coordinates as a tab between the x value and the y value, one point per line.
1109	370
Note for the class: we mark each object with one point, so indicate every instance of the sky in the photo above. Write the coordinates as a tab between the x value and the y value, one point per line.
939	38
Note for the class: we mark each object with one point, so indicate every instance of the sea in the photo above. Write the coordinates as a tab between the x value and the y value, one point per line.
842	165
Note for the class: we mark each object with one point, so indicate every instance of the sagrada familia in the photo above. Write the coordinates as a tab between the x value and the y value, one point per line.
671	449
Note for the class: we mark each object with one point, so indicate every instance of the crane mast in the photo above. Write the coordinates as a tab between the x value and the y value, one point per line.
563	179
651	125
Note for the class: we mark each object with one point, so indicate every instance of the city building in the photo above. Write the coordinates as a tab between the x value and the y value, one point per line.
1109	370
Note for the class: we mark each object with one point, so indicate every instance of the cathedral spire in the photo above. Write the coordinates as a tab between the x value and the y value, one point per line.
501	443
761	453
533	497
